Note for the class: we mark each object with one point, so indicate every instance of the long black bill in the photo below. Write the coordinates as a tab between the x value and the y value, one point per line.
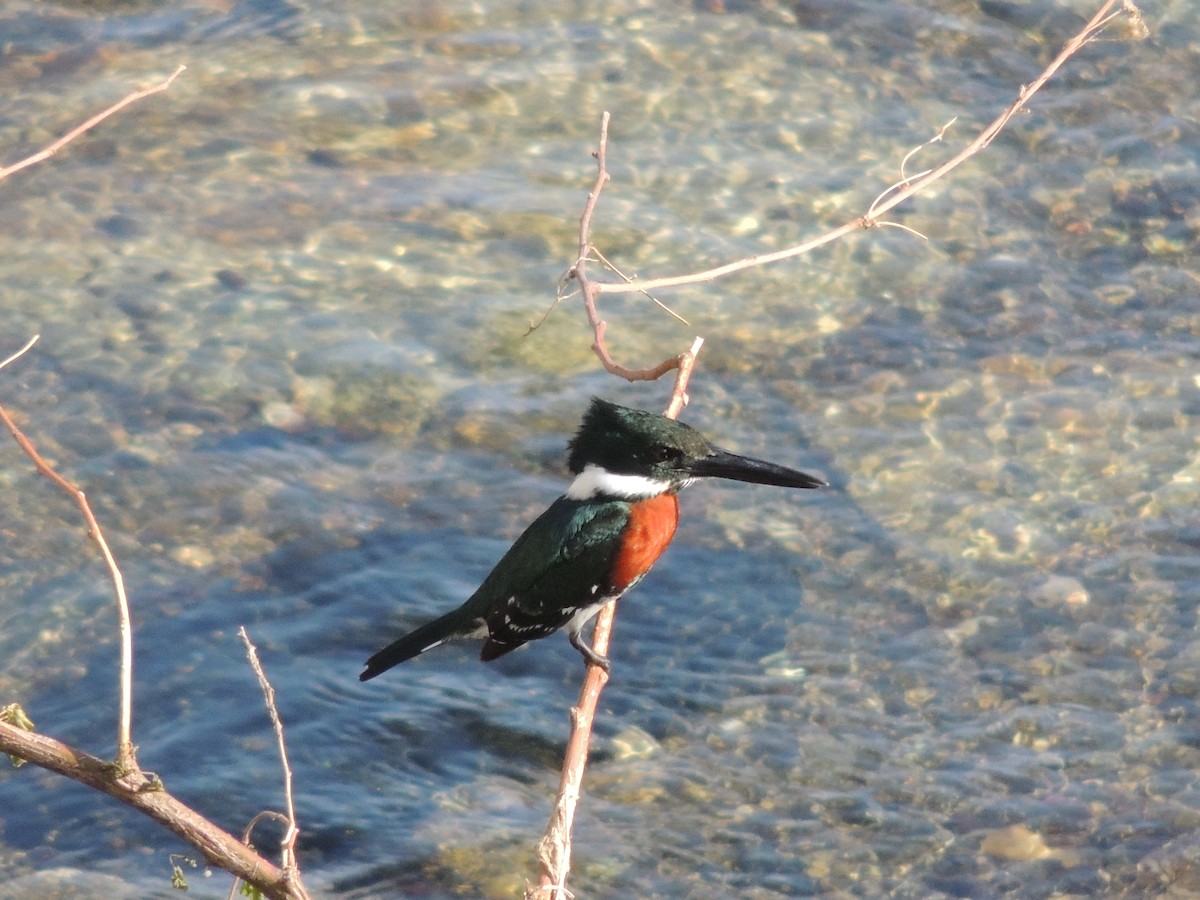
723	464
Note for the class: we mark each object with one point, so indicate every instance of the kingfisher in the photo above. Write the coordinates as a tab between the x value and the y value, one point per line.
594	542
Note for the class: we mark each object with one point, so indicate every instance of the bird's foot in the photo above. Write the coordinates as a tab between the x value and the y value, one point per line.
589	654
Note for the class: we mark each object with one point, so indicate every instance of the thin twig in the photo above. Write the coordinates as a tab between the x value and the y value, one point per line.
917	184
554	850
613	267
289	839
125	751
590	289
289	873
91	123
218	846
917	149
29	343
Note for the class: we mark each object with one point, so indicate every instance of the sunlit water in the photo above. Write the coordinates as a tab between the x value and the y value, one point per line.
282	310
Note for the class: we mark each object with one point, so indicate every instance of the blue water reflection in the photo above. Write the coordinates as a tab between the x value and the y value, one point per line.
283	309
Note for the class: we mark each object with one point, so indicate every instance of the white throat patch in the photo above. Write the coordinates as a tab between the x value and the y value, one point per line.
594	481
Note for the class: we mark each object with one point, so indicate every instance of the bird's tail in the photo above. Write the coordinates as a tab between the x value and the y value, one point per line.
417	642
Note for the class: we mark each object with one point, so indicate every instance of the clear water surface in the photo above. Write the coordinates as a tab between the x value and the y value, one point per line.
282	310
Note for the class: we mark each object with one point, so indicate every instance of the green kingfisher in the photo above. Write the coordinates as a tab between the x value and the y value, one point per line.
596	541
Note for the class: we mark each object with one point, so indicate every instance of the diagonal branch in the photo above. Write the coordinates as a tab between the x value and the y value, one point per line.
290	865
906	188
91	123
554	850
125	749
124	779
219	847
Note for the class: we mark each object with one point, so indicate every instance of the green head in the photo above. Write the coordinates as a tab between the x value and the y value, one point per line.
632	453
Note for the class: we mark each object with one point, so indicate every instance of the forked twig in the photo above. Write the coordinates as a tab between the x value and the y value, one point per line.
124	779
628	280
125	750
1098	22
554	850
561	293
590	289
288	844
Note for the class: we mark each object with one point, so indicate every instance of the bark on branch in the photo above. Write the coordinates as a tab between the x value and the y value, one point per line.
554	849
123	779
898	193
147	795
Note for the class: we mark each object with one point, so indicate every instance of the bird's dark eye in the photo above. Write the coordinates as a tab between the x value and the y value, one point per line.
663	454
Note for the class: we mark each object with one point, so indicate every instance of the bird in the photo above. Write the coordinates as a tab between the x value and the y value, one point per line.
594	542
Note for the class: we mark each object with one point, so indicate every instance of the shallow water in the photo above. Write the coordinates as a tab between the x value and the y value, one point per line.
282	310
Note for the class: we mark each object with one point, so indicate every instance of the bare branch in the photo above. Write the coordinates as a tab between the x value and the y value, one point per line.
33	340
124	779
125	749
91	123
554	849
909	187
590	289
218	847
288	844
